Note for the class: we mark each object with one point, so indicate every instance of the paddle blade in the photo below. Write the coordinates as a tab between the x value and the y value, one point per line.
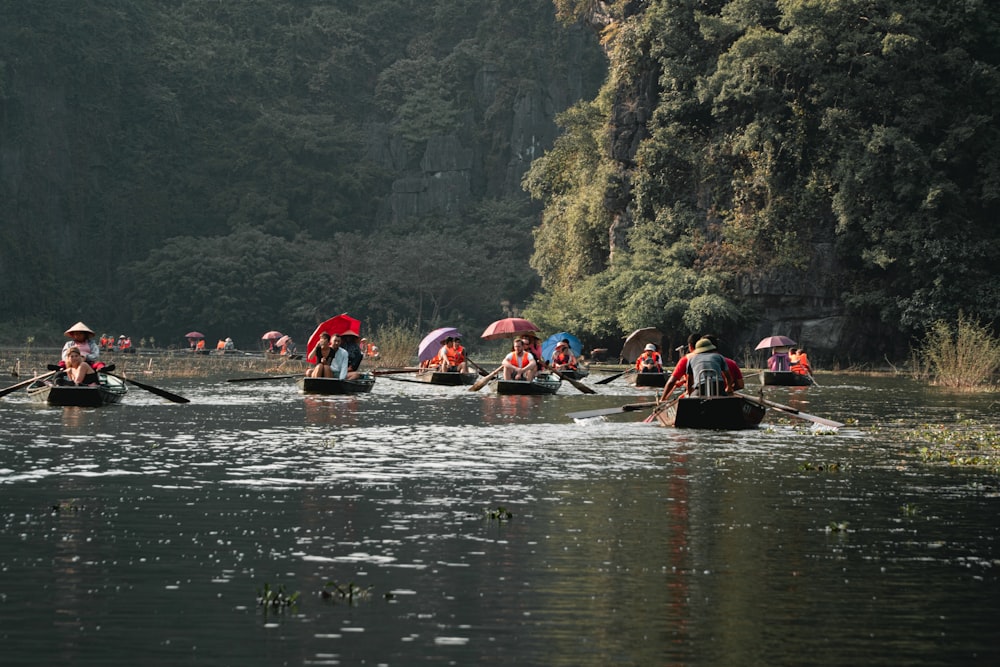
792	411
631	407
266	377
153	390
576	383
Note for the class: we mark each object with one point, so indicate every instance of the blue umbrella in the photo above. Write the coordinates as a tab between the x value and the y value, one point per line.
549	345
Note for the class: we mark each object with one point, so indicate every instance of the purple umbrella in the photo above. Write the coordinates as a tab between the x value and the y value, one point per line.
432	342
775	341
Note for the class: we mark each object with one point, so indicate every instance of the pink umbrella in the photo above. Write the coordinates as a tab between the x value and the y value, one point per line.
774	341
272	335
281	341
194	334
509	327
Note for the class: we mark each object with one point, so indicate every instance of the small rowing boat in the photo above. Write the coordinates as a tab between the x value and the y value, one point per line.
785	379
543	384
448	378
108	390
650	379
336	386
725	413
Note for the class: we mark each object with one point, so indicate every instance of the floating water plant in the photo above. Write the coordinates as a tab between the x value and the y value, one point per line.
808	466
350	593
276	598
910	510
837	527
965	443
499	514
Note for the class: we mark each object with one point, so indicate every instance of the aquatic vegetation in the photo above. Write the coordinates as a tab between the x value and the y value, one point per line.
966	443
909	509
808	466
276	598
837	527
499	514
334	591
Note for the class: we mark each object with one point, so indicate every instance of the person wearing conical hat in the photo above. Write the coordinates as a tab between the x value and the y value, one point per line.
82	337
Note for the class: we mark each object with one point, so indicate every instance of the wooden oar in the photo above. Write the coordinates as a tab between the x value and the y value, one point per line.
631	407
266	377
397	371
792	411
21	385
663	405
615	376
576	383
482	371
396	379
150	388
483	381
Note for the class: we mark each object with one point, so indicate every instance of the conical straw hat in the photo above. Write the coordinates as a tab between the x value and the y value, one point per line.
79	326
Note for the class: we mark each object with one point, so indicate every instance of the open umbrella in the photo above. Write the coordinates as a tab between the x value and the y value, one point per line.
194	334
639	339
549	344
509	327
338	325
432	342
272	335
281	341
774	341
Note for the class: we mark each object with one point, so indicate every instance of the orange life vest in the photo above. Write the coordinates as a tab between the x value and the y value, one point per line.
564	358
655	356
521	362
455	355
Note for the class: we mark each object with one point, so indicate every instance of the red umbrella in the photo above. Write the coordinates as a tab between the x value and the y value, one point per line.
775	341
338	325
272	335
194	334
509	327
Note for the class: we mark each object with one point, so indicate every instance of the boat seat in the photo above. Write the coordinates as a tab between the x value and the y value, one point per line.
709	384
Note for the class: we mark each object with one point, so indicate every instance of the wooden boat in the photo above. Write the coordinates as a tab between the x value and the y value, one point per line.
109	389
726	413
335	386
449	378
785	379
650	379
543	384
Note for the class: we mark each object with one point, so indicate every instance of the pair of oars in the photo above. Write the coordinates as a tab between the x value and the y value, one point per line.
53	369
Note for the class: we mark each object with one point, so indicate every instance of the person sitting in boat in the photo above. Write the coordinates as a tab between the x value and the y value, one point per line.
355	354
649	361
519	364
799	362
288	349
534	346
778	361
331	360
82	337
230	345
731	365
562	357
707	373
78	371
452	356
221	345
678	378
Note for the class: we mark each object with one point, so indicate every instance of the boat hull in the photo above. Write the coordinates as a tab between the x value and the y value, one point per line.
723	413
785	379
540	386
574	374
109	391
450	379
335	386
650	379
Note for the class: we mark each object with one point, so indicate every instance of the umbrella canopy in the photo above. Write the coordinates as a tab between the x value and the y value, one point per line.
272	335
509	327
639	339
432	342
194	334
774	341
283	340
549	344
338	325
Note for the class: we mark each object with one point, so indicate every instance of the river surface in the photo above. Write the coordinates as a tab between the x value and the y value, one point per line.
143	533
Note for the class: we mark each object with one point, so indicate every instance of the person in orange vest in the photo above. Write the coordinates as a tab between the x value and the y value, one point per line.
221	345
452	356
799	362
562	357
649	361
201	345
519	364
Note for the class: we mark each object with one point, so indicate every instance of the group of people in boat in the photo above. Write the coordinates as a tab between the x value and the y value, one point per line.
335	356
525	360
80	357
795	360
450	358
704	371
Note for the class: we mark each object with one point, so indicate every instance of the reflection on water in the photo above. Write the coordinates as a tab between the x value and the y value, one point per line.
148	528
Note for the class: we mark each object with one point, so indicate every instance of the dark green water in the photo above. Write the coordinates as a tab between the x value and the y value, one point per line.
629	544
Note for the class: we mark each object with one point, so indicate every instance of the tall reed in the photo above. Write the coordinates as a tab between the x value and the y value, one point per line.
397	345
964	355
